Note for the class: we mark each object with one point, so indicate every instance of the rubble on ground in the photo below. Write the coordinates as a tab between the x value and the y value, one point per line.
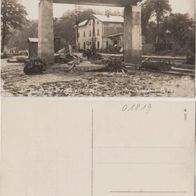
83	82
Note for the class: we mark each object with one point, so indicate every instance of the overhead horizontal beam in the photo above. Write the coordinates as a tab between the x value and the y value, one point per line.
118	3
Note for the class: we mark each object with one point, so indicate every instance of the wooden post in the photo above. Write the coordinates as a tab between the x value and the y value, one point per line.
132	35
46	31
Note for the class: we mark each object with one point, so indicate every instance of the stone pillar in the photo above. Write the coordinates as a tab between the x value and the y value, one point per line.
46	31
132	35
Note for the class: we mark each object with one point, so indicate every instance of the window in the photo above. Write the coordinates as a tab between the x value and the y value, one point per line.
84	34
89	33
78	34
97	22
98	45
98	33
107	44
84	46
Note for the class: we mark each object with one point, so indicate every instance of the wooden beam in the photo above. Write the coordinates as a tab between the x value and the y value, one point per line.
118	3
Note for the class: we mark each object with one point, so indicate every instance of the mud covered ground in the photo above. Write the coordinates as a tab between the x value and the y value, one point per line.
85	82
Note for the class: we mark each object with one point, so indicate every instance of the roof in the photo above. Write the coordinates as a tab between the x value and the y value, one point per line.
104	18
83	23
32	39
115	35
113	19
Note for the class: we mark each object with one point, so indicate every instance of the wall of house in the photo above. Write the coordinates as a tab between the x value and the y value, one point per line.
81	37
109	29
99	33
86	33
107	42
112	28
101	30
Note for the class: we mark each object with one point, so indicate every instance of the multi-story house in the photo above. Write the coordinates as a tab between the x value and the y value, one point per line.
103	30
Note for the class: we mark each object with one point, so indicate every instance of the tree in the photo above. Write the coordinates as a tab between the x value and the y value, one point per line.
13	16
181	29
155	10
19	37
64	27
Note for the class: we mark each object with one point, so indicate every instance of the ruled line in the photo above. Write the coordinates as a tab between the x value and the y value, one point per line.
154	192
92	152
146	147
141	163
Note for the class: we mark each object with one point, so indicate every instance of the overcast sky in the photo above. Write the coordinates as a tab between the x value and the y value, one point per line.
182	6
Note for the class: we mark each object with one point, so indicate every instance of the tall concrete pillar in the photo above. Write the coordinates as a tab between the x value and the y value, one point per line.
46	31
132	35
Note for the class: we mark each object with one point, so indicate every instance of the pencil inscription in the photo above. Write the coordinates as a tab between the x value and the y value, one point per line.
137	108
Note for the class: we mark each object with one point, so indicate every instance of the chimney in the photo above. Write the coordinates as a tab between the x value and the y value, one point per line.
107	13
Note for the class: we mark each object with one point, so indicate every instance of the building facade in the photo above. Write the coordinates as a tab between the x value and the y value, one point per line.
104	30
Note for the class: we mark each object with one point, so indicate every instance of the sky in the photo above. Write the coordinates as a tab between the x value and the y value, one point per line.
180	6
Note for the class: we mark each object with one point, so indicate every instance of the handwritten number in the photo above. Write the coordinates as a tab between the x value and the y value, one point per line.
149	108
132	108
144	107
124	108
137	108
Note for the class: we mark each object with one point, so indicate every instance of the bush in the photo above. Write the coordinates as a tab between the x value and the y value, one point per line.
34	66
115	65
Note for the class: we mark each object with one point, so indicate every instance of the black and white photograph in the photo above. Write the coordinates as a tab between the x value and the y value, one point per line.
80	88
97	48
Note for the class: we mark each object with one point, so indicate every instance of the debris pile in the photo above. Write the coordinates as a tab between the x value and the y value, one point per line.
34	66
155	65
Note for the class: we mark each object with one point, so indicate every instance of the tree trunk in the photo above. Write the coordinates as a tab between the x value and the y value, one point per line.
2	45
3	37
158	30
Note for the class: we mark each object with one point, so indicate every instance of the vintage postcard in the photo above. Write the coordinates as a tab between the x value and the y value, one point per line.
103	48
92	148
60	135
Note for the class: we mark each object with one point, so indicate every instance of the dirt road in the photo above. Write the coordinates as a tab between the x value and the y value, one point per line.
58	82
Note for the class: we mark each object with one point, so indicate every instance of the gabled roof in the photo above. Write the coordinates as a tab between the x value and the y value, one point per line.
83	23
104	18
113	19
115	35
